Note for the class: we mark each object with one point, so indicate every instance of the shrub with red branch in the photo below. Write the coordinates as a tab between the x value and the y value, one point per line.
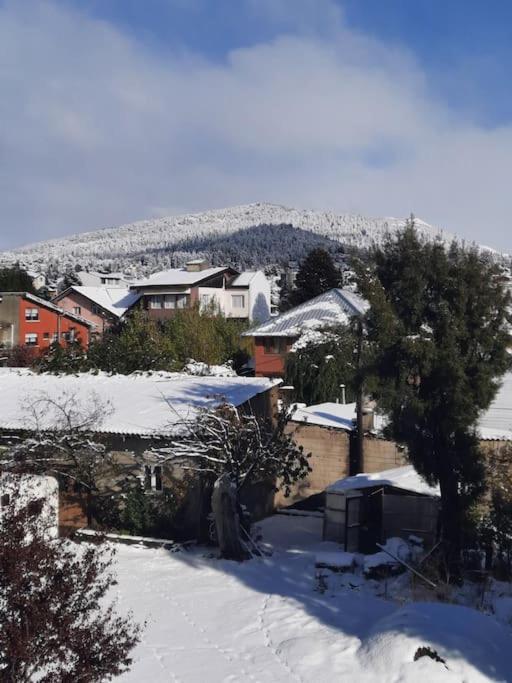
56	622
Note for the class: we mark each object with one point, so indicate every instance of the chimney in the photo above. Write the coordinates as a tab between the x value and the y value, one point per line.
196	266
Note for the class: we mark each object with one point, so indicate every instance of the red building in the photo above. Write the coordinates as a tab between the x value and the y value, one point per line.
273	340
27	320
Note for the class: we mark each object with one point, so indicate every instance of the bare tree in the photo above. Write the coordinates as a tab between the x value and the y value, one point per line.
236	449
61	438
55	621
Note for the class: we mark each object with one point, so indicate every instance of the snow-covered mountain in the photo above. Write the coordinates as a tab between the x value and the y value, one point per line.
145	246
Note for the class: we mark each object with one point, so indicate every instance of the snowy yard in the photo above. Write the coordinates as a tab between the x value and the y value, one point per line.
263	621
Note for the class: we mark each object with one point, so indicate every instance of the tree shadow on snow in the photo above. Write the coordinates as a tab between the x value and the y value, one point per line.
380	625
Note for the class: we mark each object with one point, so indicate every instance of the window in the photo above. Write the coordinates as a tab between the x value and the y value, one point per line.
31	314
153	478
155	301
275	345
96	309
31	339
238	301
46	335
77	310
168	301
55	337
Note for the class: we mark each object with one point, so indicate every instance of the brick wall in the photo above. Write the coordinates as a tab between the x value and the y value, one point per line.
329	460
379	454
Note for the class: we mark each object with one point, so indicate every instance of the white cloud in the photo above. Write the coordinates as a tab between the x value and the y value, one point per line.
97	130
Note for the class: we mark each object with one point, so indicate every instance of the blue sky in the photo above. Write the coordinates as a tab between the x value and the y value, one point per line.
464	46
115	110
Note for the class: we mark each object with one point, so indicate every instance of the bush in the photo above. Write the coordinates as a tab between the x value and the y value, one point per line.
55	623
148	514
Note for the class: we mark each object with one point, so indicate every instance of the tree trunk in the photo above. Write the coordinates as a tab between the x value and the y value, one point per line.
451	521
227	519
357	464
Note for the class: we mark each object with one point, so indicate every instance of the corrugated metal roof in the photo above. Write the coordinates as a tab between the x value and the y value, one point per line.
146	404
496	423
333	307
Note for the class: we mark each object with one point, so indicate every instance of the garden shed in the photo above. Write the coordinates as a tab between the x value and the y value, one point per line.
367	509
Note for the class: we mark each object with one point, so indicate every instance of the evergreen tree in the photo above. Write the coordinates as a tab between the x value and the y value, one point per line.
137	344
70	279
58	358
15	279
317	370
438	331
316	275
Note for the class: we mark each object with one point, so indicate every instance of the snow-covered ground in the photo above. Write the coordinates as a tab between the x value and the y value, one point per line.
265	621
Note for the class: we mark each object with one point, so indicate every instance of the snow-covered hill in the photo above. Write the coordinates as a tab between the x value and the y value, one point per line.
146	245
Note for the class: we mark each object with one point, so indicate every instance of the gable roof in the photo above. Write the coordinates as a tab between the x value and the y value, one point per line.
145	404
244	279
180	276
114	300
334	307
48	304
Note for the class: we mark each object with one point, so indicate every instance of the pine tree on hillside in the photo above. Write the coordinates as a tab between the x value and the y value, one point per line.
316	275
438	329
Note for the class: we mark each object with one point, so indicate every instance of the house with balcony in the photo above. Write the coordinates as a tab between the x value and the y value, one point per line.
244	296
29	321
274	338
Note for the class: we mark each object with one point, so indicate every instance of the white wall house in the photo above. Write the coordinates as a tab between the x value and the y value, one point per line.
236	295
247	296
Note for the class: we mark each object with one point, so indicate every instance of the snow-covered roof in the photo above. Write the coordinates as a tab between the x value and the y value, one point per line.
179	276
496	423
336	415
333	307
115	300
146	404
244	279
405	478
